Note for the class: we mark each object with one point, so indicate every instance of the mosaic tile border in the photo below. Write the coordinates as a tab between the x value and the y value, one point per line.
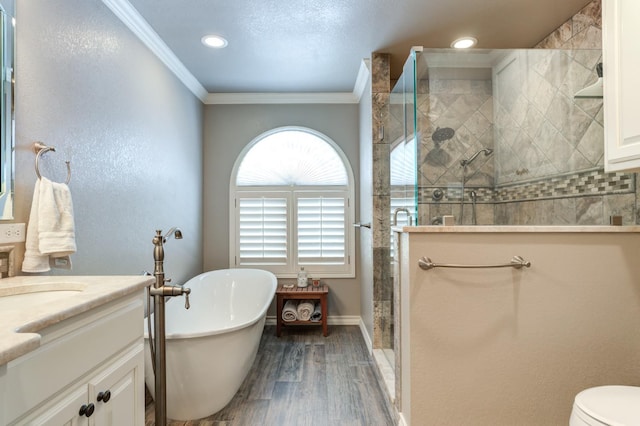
579	184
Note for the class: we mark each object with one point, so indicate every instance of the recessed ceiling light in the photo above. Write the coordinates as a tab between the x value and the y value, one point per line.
464	43
215	41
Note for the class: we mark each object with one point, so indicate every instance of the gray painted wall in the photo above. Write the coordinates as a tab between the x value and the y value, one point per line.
132	131
227	130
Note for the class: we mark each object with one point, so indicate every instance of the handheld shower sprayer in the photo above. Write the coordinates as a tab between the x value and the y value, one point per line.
464	163
173	231
487	152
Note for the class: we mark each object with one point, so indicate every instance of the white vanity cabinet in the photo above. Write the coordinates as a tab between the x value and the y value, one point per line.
621	63
89	370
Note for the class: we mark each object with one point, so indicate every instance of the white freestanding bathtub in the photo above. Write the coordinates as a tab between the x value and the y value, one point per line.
211	347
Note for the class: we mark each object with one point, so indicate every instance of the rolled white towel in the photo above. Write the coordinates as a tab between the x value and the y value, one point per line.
305	309
316	316
290	311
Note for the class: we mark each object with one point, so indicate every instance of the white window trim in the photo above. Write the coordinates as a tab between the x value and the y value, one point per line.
290	270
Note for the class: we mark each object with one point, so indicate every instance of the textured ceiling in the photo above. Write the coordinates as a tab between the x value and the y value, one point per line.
318	45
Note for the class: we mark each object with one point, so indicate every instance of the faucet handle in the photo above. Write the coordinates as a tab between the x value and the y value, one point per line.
186	292
167	280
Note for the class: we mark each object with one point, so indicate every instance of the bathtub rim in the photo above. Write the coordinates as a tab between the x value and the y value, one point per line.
262	312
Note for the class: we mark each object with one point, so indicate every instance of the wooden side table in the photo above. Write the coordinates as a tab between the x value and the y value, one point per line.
302	293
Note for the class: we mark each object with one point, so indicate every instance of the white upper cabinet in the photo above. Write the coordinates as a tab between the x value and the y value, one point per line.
621	60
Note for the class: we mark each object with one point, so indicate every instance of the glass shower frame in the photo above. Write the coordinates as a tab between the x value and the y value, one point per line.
521	148
545	165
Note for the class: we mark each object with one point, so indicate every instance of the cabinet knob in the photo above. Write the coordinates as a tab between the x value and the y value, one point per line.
87	410
104	396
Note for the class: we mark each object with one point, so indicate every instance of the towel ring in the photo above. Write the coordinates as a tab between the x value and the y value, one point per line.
41	149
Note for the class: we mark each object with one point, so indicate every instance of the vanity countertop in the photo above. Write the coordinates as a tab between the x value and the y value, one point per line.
21	321
514	229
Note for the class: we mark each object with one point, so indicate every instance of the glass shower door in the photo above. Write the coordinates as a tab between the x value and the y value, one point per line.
400	134
403	154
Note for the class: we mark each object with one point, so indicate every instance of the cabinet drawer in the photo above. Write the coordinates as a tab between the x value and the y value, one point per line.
43	373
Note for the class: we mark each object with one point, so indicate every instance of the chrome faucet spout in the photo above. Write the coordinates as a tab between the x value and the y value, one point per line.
398	210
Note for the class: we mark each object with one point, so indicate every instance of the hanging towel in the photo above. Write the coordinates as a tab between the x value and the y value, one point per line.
290	311
305	308
34	261
51	230
316	316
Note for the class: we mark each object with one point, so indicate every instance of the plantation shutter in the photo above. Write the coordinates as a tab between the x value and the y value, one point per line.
321	230
262	230
290	206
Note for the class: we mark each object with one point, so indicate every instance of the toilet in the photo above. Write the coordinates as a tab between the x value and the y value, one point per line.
607	406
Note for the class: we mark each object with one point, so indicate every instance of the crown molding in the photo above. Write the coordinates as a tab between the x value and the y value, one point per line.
280	98
141	28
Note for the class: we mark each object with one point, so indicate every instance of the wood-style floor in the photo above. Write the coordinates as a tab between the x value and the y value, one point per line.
305	379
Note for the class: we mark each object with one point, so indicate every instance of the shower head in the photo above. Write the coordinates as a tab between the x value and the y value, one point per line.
487	152
443	134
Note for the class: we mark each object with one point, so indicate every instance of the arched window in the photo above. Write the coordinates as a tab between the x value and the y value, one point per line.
291	205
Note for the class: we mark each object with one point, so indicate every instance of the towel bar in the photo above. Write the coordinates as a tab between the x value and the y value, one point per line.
517	262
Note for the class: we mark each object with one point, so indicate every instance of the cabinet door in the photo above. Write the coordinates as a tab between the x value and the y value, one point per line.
122	385
621	63
64	412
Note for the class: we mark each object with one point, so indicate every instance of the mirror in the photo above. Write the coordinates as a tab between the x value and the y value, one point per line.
7	14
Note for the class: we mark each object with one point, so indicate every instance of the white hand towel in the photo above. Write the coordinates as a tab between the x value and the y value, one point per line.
290	311
51	231
305	309
56	230
34	261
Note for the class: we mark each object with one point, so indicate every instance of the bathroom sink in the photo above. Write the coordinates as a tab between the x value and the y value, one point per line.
19	296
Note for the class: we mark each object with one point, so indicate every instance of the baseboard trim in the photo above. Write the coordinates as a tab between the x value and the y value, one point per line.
366	337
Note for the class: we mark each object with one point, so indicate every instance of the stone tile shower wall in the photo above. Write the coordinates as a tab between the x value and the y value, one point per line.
547	166
541	129
380	227
466	106
586	195
550	146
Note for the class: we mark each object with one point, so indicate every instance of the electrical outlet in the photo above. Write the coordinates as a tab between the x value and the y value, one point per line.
12	233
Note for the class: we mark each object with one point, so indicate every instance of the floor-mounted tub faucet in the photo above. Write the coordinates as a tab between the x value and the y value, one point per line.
159	292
